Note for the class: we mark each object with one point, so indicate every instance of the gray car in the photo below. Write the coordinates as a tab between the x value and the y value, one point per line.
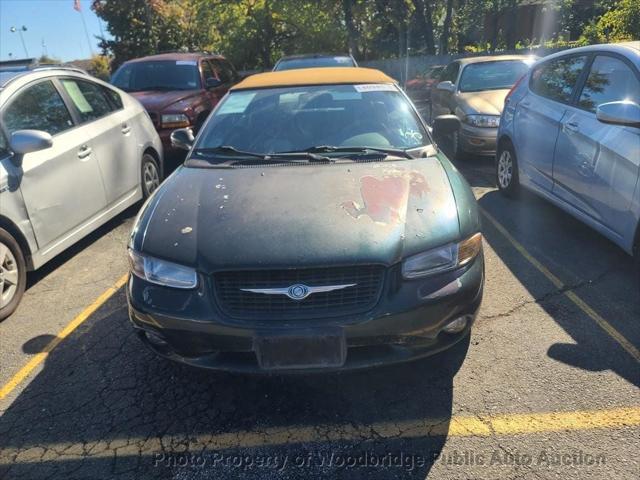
314	60
570	132
74	152
474	90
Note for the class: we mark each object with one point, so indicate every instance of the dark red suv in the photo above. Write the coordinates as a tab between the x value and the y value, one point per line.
177	89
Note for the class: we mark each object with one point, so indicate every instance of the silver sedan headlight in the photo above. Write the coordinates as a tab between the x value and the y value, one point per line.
442	259
483	121
161	272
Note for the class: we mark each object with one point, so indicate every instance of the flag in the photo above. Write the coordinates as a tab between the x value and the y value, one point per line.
77	6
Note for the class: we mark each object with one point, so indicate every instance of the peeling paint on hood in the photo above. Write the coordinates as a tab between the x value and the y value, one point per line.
384	199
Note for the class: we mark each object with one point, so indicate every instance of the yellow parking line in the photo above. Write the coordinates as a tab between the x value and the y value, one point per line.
75	323
590	312
456	426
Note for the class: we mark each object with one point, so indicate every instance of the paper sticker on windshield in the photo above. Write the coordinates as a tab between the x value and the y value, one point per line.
186	62
375	87
237	102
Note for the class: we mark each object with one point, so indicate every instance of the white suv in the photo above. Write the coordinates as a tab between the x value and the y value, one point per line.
74	152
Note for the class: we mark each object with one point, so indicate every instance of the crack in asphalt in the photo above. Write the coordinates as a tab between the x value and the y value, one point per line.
556	292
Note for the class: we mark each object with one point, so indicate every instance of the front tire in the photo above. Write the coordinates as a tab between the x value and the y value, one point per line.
507	171
13	274
150	175
456	151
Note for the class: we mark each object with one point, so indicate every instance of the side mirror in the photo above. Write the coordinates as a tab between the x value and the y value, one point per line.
446	86
182	138
28	141
619	113
444	125
212	82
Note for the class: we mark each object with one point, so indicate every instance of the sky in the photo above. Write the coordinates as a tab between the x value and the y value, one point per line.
53	21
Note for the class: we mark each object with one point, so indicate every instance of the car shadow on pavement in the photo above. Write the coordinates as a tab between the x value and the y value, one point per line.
589	266
103	406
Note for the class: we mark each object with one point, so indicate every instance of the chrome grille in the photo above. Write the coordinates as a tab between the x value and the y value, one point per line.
241	304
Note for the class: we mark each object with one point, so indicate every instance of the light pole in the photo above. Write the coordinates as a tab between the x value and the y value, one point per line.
20	30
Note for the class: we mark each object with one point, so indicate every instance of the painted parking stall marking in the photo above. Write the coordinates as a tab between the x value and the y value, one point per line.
575	299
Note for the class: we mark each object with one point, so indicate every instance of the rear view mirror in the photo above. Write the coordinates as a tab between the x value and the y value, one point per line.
446	86
28	141
619	113
182	138
444	125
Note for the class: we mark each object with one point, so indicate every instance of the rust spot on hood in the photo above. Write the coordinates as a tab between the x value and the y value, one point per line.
385	200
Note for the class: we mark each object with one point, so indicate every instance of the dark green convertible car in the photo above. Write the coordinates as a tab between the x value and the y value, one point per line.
314	226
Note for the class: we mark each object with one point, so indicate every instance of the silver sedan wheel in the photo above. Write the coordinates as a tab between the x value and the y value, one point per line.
9	275
150	177
505	169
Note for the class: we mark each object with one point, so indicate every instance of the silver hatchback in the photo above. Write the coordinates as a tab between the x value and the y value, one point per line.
74	152
570	132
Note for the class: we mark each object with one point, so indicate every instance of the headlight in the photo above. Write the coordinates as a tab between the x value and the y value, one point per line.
443	258
175	121
485	121
162	272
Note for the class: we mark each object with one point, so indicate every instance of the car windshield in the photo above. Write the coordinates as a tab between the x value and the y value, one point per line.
313	62
477	77
290	119
158	75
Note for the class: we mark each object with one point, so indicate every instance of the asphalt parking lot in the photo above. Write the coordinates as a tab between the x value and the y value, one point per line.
546	387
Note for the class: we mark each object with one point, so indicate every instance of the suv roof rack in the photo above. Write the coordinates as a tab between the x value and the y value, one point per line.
40	68
22	73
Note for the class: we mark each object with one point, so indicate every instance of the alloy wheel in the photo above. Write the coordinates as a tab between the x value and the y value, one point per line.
505	169
9	275
151	177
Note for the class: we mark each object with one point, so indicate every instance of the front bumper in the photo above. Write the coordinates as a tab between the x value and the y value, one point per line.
477	140
406	324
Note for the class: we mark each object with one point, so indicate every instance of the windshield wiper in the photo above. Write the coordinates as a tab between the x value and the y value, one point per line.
228	150
330	148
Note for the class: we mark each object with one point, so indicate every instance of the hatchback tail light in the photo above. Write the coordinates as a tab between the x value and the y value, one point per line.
515	85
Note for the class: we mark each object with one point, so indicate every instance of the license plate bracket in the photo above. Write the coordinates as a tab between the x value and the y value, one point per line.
303	349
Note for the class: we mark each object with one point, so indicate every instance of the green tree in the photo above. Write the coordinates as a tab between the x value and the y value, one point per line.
620	23
99	67
255	33
45	59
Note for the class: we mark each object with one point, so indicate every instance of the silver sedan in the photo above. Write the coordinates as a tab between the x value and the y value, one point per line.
74	152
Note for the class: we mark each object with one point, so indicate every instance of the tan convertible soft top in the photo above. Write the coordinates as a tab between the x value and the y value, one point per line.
314	76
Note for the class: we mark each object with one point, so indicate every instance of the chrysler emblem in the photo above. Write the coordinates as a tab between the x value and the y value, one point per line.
298	291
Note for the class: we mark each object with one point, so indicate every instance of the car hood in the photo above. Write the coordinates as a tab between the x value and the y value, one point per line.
156	101
283	216
489	102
